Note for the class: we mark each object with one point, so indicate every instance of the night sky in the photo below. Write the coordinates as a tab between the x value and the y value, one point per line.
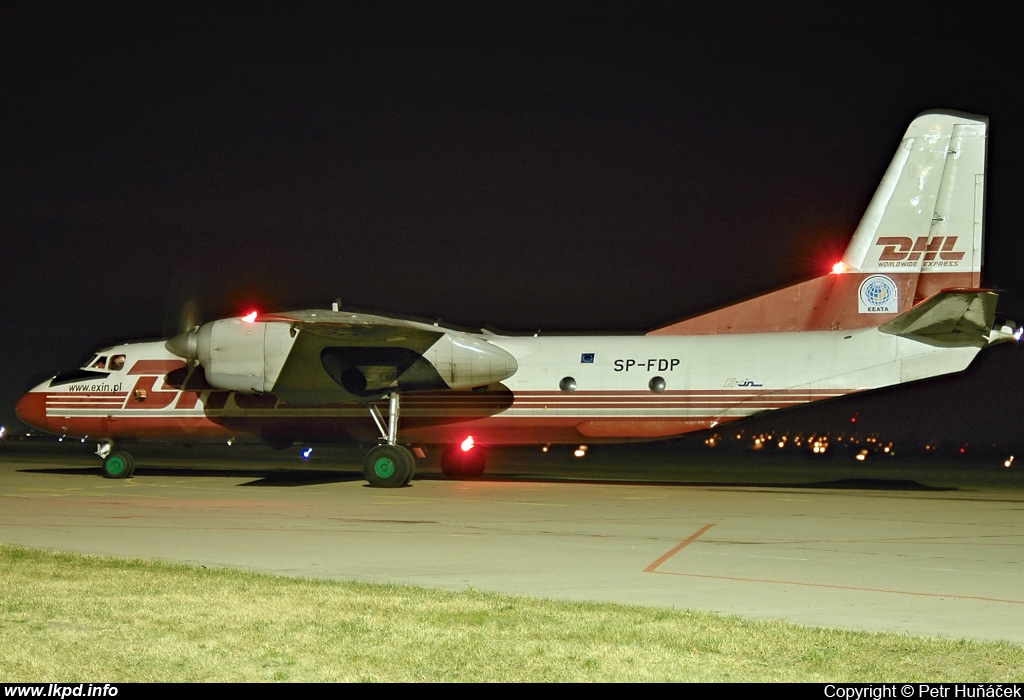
593	167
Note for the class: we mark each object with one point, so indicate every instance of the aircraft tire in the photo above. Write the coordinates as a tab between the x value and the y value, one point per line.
118	465
456	464
412	466
388	466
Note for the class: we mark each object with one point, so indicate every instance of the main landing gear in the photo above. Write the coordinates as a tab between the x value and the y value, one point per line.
389	465
116	465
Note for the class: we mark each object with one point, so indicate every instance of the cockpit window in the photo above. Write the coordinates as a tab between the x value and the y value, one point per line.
116	363
78	375
98	363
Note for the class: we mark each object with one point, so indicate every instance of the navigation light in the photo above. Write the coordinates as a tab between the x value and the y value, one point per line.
839	268
467	444
250	317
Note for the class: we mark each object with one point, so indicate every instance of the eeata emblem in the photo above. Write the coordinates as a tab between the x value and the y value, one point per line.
878	295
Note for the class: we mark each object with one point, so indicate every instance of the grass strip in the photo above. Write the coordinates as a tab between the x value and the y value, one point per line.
70	618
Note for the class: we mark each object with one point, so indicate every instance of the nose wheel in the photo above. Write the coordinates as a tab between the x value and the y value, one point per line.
118	465
389	465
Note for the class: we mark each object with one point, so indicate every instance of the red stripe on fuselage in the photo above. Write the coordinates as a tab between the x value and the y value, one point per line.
432	417
158	367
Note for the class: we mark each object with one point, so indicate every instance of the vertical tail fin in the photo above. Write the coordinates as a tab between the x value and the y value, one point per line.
921	233
926	217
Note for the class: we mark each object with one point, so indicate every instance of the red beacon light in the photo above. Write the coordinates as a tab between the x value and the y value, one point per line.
839	268
467	444
250	317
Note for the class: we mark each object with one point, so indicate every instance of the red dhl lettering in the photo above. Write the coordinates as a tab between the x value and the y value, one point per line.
898	248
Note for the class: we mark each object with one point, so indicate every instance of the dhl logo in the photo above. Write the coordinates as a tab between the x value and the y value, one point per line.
898	248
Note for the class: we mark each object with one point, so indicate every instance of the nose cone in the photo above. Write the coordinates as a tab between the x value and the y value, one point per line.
31	410
184	345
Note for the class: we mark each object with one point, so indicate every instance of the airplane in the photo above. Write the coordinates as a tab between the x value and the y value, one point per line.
904	303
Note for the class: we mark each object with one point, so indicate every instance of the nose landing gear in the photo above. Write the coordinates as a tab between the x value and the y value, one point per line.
116	465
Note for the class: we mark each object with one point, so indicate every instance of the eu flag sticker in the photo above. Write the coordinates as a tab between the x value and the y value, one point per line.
587	358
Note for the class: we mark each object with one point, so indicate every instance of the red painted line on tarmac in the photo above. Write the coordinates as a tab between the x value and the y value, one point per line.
826	585
672	552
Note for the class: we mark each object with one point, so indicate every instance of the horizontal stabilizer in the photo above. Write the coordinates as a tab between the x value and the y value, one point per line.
952	318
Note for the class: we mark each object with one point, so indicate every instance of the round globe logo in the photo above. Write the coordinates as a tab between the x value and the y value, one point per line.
878	295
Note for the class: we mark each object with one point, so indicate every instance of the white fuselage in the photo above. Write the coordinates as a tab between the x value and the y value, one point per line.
566	389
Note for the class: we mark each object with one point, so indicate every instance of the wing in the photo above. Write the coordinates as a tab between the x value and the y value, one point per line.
320	357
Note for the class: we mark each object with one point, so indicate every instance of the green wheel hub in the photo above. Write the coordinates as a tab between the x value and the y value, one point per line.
116	465
384	467
389	466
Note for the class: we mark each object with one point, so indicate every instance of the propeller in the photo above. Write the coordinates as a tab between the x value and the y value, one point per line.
188	319
185	345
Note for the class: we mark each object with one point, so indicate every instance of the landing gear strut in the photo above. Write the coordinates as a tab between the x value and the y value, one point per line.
389	465
116	465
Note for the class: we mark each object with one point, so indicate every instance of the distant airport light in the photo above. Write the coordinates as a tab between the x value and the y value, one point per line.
2	431
1008	462
250	317
544	449
862	455
579	452
307	453
467	444
1017	333
839	268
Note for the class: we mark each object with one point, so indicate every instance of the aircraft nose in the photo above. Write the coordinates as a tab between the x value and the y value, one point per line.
31	410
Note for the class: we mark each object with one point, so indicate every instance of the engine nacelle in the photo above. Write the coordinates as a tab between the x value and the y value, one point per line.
242	356
236	354
465	361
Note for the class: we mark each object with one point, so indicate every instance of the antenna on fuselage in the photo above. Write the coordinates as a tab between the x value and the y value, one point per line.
336	305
